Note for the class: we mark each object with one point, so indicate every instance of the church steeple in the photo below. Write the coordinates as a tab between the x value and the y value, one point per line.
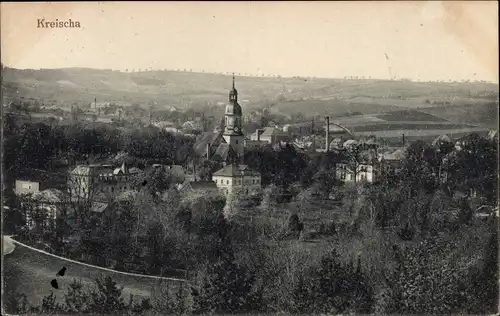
233	132
233	94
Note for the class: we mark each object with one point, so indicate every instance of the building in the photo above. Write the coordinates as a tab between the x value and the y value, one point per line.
361	165
207	188
176	171
270	135
233	133
47	203
228	146
100	181
237	178
362	172
26	187
392	161
299	129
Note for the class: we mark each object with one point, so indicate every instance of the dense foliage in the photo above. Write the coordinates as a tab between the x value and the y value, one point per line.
408	243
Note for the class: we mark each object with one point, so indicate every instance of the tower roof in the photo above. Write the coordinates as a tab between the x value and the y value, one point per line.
233	90
233	108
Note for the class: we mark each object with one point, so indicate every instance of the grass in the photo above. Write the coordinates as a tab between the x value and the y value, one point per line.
30	272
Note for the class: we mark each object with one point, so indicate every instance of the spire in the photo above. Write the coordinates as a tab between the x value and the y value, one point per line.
233	94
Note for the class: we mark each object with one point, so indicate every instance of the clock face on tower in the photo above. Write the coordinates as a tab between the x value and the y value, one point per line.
236	129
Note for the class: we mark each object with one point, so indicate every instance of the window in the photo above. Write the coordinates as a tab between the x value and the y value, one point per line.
236	142
227	181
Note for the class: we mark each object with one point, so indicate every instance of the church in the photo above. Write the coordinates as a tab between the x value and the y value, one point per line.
227	146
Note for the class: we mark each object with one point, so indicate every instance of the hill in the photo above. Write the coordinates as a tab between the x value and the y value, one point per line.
69	86
30	272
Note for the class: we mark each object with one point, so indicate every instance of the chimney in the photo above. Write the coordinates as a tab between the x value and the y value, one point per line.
327	145
208	150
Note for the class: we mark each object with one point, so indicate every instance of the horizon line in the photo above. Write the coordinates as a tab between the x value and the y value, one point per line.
278	76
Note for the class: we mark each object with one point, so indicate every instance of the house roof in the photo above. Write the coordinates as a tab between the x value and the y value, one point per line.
224	151
98	207
49	195
272	131
202	185
396	155
350	142
235	170
82	171
207	138
336	141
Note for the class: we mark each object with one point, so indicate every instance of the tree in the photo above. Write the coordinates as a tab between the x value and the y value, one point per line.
49	304
294	225
155	181
482	285
271	195
224	288
17	303
76	298
355	159
335	288
416	269
106	297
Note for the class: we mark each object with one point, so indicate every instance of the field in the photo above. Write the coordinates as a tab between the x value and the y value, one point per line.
414	124
383	108
286	95
31	272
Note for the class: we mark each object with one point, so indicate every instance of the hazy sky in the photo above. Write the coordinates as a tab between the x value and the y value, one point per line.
425	40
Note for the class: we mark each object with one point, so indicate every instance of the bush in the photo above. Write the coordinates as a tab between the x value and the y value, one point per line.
106	297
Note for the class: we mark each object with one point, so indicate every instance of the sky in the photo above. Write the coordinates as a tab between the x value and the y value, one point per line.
428	40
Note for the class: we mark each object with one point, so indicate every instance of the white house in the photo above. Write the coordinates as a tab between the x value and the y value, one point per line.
362	173
233	178
26	187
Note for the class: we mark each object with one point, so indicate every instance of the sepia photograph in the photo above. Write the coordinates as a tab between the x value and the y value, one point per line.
250	158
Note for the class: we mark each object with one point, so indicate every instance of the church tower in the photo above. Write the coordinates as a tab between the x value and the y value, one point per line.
233	134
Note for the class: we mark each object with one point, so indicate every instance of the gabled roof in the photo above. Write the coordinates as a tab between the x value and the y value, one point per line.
82	171
350	142
210	138
336	141
224	151
49	195
272	131
98	207
396	155
235	170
